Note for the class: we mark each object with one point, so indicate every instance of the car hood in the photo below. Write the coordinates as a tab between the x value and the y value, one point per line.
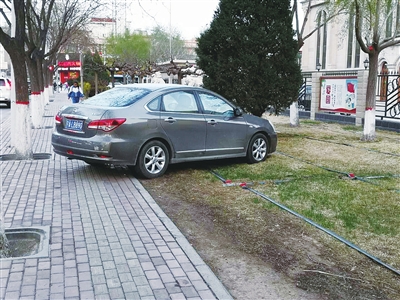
259	122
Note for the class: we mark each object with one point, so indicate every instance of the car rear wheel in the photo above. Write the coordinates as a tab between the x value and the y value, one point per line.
153	160
258	149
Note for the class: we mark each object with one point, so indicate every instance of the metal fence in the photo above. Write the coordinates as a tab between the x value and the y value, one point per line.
304	98
388	96
387	93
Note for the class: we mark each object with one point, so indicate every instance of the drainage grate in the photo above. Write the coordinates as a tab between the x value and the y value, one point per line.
45	127
36	156
37	238
39	156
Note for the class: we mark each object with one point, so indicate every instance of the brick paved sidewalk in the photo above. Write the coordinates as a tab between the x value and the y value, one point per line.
108	237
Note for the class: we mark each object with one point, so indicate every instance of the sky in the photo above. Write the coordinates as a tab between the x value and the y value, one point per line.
188	17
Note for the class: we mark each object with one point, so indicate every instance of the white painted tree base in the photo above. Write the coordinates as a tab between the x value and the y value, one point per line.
21	128
294	114
37	109
369	125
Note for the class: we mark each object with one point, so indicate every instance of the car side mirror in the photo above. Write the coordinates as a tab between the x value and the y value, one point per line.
237	112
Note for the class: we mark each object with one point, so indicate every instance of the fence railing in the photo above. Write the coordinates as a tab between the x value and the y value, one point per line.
388	95
304	98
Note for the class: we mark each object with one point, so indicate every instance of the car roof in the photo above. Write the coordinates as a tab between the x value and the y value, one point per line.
159	87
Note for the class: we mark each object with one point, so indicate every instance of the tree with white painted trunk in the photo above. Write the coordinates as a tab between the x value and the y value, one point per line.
29	45
13	43
49	26
301	36
377	27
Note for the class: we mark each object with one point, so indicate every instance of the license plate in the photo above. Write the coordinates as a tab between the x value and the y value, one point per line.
76	125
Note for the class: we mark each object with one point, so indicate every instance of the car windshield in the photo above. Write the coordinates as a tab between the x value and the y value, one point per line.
117	97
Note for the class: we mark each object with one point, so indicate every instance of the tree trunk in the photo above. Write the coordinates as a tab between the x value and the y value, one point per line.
369	119
96	83
21	120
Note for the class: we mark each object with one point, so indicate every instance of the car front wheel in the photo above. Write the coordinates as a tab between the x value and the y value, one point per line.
153	160
258	149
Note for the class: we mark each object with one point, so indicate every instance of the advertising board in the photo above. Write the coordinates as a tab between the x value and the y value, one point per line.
339	94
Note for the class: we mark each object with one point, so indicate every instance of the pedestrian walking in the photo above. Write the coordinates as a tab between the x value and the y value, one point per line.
75	93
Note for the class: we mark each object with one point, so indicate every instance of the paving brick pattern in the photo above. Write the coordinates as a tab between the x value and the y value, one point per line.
108	237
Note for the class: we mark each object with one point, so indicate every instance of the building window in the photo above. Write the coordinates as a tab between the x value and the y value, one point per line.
350	40
358	55
398	19
353	47
321	39
389	20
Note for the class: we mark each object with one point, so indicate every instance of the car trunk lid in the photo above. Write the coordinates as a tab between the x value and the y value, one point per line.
74	120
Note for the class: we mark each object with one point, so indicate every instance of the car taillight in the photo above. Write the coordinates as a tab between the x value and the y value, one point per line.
58	119
106	125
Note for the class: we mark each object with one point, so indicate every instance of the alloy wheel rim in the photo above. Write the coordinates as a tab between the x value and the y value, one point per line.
154	160
259	149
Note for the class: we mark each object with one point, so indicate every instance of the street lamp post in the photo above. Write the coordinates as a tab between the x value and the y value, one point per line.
366	63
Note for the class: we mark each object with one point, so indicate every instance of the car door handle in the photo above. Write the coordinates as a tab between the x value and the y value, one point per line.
170	120
212	122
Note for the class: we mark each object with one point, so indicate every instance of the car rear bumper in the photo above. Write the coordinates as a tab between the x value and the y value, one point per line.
118	152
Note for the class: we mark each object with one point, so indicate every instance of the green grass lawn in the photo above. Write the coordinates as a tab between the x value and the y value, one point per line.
332	178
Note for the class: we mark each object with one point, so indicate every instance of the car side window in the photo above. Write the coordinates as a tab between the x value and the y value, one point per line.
154	105
214	105
2	82
180	102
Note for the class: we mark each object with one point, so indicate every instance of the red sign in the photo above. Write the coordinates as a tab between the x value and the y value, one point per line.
69	63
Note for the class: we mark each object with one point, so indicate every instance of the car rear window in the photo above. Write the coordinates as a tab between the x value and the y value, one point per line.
117	97
2	82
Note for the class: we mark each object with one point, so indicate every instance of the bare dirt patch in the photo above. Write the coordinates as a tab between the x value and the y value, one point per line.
264	253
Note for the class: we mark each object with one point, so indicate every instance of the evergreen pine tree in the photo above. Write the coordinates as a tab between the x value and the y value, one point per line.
250	56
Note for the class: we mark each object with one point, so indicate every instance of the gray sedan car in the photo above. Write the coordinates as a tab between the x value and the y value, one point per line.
149	126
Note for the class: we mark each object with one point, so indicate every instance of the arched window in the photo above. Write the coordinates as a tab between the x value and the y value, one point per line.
383	77
398	19
389	20
350	40
321	39
353	47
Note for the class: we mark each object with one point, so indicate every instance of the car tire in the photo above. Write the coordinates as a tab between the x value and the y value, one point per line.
9	104
258	149
153	160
